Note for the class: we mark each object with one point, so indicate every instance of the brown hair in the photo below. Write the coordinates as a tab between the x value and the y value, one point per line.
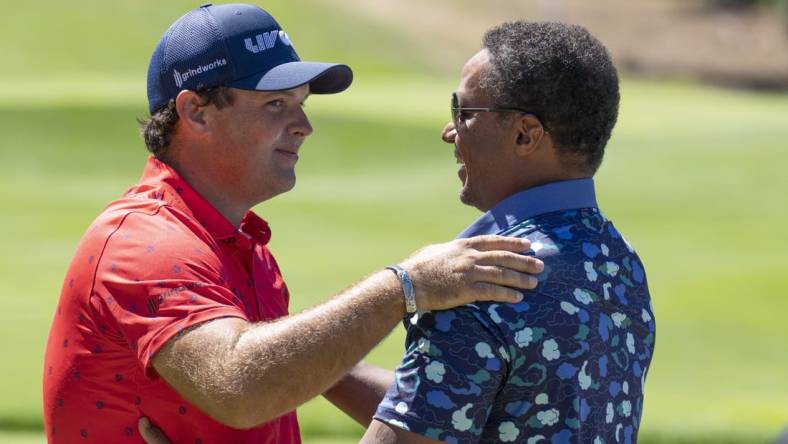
157	130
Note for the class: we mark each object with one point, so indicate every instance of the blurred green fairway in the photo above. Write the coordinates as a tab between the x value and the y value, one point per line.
695	177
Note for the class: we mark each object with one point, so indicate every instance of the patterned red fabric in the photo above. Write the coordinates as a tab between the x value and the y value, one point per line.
157	261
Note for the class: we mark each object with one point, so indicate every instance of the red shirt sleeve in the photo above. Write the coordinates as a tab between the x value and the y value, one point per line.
159	274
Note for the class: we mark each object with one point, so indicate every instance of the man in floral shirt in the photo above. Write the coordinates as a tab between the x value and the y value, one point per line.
532	115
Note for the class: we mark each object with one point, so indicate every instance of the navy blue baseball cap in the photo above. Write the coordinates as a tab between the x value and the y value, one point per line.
235	45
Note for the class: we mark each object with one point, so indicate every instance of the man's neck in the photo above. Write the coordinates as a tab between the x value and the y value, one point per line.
213	192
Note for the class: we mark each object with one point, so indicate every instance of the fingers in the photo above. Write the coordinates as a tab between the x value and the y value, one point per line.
150	433
452	274
484	291
514	261
505	277
492	242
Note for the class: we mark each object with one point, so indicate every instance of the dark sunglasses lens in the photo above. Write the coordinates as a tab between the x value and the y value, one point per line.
454	105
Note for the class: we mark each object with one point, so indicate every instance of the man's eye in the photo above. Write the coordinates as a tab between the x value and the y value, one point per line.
276	103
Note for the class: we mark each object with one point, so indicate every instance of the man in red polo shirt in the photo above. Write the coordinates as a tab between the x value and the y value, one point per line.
174	308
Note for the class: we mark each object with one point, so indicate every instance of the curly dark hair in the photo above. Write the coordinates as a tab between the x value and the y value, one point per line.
158	128
562	74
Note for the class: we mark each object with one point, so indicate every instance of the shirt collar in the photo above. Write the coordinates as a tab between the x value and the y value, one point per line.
161	182
555	196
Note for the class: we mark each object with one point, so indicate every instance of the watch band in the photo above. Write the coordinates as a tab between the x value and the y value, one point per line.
407	287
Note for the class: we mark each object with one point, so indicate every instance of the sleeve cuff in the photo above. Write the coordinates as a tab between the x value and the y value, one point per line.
157	341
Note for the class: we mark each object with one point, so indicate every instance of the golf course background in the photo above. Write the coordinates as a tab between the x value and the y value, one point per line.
694	176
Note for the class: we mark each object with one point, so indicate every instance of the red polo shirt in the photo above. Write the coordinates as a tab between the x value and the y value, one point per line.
157	261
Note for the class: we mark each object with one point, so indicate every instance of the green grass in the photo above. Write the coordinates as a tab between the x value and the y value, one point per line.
49	41
694	177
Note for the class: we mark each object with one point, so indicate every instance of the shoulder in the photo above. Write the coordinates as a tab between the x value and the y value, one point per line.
139	219
560	232
145	239
579	243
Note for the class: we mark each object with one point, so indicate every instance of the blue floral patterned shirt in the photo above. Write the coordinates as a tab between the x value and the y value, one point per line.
566	365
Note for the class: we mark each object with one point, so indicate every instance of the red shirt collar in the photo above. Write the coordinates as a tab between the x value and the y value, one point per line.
160	181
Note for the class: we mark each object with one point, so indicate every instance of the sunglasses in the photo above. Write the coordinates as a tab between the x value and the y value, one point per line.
457	112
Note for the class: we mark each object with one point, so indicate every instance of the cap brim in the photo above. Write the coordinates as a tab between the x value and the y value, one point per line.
323	78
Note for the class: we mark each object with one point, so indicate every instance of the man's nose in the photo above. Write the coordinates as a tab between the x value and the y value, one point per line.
449	133
302	127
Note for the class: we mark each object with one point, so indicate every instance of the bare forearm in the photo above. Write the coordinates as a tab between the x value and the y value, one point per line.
359	392
293	360
245	374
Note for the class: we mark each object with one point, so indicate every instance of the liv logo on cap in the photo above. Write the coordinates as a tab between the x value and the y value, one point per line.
265	41
235	45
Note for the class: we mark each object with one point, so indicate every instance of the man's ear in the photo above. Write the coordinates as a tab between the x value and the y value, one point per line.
191	111
528	135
